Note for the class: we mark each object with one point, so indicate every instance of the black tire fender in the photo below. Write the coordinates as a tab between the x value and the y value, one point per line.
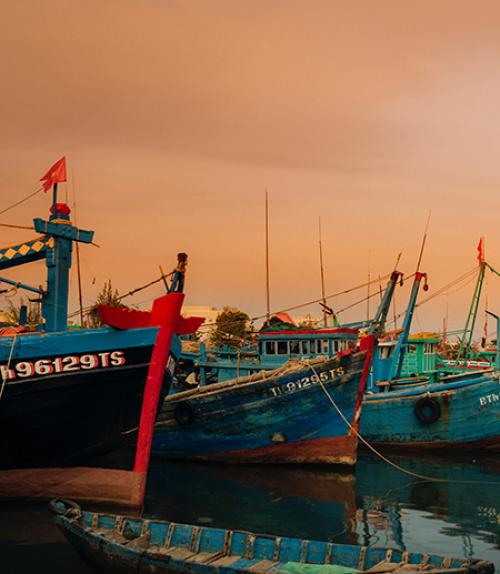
427	410
184	413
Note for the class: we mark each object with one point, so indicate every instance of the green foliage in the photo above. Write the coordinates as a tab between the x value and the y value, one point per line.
231	327
107	296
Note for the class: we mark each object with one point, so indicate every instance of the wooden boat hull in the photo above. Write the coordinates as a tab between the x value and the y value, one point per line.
71	417
50	414
463	414
281	416
124	545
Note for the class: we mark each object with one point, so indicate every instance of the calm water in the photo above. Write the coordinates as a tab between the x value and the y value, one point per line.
376	505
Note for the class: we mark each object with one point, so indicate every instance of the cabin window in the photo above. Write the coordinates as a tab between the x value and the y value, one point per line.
305	347
314	346
282	347
428	348
294	348
411	348
385	352
324	347
270	350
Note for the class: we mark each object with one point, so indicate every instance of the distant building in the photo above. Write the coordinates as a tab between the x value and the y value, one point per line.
209	313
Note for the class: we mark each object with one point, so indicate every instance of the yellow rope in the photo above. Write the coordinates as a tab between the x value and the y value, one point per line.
4	382
377	452
12	226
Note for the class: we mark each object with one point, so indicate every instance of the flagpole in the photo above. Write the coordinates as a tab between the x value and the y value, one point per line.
54	199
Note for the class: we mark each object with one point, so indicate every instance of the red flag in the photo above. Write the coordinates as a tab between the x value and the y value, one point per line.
55	174
480	251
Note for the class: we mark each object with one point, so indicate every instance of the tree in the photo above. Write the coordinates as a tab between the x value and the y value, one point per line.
107	296
231	326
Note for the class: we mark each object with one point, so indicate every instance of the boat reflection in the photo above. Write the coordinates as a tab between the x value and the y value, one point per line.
377	505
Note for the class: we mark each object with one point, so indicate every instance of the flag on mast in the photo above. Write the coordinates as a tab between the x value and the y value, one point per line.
55	174
480	251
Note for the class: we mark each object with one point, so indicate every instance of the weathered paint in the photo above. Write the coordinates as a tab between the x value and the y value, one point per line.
129	545
469	418
85	484
279	416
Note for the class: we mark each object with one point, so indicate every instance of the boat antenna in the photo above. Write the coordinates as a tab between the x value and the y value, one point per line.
77	247
424	238
268	297
323	296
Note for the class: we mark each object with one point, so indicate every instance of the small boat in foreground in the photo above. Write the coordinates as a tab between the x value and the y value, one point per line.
118	544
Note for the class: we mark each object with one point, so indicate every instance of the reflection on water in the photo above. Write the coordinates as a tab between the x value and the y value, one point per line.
376	505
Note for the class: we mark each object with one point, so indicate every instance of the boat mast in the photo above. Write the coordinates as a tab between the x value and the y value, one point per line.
323	296
268	297
399	351
77	247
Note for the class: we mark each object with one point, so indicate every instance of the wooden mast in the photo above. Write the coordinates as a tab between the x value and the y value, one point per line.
268	297
77	246
323	297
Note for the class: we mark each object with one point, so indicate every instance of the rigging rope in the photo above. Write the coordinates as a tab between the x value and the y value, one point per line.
89	307
12	226
21	201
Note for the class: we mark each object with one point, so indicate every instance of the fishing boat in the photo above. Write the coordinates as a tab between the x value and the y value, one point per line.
306	411
274	348
69	397
439	412
125	545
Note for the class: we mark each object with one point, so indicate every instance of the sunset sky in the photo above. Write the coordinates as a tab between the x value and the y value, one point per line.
176	116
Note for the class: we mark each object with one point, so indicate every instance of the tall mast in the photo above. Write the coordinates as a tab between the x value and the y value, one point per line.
400	350
77	246
323	296
368	295
268	297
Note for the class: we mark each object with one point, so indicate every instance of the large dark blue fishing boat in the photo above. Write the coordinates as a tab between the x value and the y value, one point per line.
68	397
125	545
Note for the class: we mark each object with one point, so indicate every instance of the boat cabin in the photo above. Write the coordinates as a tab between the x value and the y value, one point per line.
274	348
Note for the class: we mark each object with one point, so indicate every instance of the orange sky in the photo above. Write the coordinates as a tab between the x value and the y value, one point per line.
175	117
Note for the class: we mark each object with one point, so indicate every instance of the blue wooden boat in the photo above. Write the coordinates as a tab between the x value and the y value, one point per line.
277	416
68	397
302	412
458	411
119	544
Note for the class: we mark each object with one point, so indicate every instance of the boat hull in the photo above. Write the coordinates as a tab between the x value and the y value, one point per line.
124	545
72	417
62	429
283	416
464	415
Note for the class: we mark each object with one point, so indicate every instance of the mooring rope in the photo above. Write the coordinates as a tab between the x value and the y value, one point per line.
377	452
4	382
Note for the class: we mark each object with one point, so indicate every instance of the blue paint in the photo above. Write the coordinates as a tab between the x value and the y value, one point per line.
276	410
470	413
106	540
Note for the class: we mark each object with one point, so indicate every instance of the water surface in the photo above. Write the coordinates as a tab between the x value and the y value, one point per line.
377	505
